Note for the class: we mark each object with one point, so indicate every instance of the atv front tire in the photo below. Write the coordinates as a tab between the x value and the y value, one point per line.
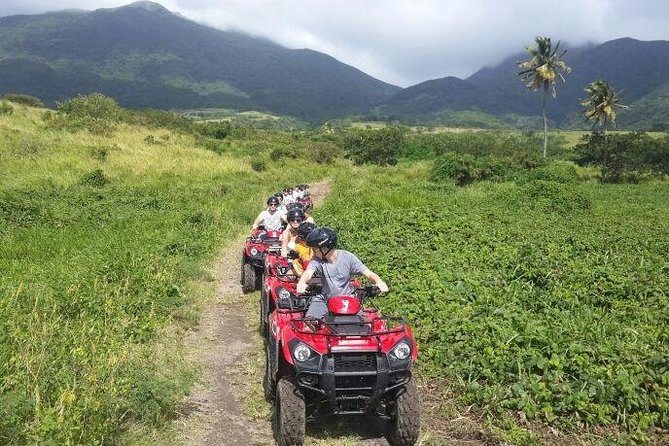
269	380
404	426
290	413
249	277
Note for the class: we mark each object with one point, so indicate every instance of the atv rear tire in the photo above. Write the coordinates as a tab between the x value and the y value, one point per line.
290	413
264	316
404	426
249	276
241	268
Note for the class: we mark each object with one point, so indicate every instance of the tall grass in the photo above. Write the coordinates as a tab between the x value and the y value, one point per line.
99	239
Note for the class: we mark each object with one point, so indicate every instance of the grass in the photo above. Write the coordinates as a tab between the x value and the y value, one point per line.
540	303
101	240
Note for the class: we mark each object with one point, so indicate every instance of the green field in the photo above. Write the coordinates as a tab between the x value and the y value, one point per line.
99	239
539	300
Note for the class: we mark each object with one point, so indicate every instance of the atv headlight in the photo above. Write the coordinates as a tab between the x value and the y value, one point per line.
254	252
284	293
301	352
402	350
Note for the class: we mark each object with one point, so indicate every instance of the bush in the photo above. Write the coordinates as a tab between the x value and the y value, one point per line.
283	152
324	152
216	130
464	168
625	158
24	99
6	109
258	165
551	196
523	148
557	171
380	147
96	178
96	113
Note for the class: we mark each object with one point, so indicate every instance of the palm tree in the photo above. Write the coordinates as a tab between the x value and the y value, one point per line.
601	104
541	71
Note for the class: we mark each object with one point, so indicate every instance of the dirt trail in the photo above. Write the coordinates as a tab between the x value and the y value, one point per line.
222	343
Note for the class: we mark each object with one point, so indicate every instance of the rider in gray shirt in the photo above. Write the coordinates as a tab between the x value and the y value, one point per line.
335	268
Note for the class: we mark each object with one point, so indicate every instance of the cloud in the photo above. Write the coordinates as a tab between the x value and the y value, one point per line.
405	42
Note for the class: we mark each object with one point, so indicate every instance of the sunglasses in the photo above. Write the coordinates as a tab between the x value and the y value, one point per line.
292	220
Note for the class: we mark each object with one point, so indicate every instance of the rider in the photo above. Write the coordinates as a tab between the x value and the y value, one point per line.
294	217
288	196
282	206
270	218
335	268
304	252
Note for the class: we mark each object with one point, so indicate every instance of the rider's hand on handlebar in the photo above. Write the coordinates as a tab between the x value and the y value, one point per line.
301	288
382	286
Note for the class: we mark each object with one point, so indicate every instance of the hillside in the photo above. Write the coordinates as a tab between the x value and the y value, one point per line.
145	56
636	68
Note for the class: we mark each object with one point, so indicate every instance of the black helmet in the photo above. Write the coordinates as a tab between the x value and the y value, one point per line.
304	229
296	205
279	196
322	238
272	200
295	214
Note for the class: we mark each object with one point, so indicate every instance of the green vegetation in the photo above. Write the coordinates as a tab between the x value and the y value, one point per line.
100	238
544	298
626	158
534	296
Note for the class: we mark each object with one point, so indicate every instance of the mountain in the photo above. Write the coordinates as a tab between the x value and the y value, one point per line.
145	56
638	69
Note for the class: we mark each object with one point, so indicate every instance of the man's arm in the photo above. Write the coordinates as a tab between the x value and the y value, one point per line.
304	278
376	280
257	221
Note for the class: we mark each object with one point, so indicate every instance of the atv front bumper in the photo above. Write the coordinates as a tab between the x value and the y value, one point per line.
353	382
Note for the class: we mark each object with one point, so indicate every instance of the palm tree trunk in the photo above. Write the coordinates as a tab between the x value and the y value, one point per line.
543	113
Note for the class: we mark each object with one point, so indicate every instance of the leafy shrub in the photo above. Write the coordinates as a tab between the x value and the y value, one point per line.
24	99
96	113
523	148
283	152
464	168
6	109
95	178
625	158
258	165
216	130
150	139
551	196
374	146
557	171
324	152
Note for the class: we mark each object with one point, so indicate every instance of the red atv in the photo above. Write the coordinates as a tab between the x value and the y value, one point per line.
253	257
351	362
278	283
307	203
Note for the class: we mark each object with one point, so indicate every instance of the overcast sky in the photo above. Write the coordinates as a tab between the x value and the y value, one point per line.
405	42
